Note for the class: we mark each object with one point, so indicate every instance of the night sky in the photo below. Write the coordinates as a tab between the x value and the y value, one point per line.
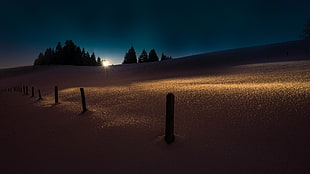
177	28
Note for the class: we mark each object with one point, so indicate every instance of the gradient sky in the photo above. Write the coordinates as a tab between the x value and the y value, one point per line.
177	28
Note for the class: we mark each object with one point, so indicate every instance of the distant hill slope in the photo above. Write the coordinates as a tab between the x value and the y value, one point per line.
286	51
292	50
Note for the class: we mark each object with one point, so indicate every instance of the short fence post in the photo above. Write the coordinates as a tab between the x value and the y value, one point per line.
169	132
56	94
40	98
32	91
26	90
83	100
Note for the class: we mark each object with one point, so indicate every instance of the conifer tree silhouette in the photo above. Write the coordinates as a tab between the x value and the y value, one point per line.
153	56
143	57
130	56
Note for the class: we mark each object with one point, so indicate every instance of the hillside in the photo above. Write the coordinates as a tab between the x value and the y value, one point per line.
230	117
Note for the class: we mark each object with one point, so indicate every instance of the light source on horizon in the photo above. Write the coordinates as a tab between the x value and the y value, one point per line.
105	63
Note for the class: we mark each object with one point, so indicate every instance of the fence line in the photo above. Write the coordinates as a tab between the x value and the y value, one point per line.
170	98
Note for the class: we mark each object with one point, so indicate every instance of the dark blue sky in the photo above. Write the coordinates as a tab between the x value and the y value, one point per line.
177	28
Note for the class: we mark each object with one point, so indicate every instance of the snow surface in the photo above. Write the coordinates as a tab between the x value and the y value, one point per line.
251	118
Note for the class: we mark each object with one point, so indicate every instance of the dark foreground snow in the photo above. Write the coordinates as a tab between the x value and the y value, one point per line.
241	119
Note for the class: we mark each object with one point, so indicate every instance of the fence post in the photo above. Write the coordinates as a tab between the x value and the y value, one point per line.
32	91
56	94
83	100
26	90
169	132
40	98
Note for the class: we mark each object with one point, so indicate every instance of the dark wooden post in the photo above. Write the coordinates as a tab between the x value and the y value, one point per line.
83	100
169	132
32	91
26	90
40	97
56	94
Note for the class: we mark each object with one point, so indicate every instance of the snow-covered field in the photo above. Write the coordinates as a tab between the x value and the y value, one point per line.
251	118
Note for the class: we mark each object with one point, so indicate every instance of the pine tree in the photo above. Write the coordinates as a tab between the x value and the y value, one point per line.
83	57
164	57
59	48
99	62
48	56
69	49
130	56
59	55
93	61
78	56
306	33
39	60
143	57
153	56
87	58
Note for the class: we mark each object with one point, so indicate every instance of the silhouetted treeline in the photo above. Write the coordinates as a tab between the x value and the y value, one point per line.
130	57
69	54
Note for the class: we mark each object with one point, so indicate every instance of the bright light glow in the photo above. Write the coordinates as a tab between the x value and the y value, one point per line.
105	63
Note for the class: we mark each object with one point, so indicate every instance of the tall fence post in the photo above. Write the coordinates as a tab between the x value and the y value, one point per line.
169	132
83	100
26	90
56	94
40	97
32	91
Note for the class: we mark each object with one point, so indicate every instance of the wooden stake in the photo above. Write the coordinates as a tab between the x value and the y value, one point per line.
83	100
40	97
169	132
32	91
26	90
56	94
